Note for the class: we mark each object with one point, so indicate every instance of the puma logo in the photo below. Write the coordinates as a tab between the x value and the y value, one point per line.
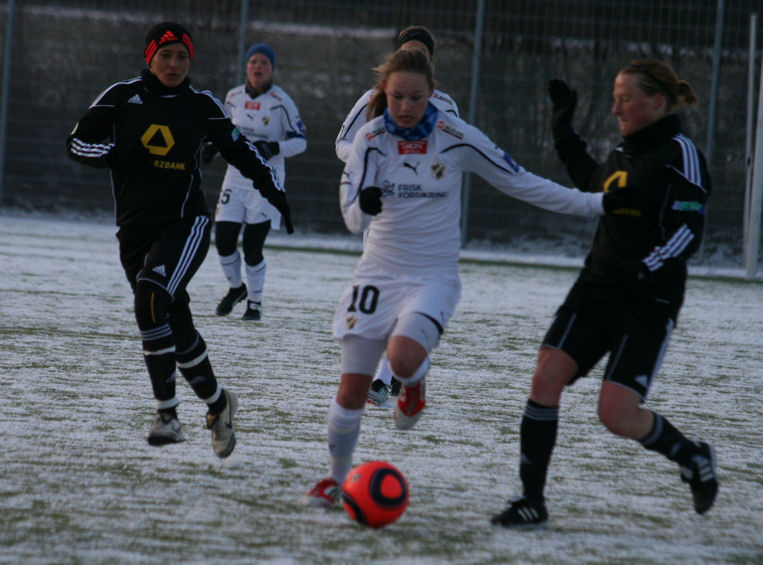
412	167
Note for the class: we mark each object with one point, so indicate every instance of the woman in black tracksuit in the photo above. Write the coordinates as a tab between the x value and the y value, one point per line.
628	295
156	125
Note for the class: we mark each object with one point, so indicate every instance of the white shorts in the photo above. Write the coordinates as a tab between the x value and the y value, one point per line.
245	206
370	306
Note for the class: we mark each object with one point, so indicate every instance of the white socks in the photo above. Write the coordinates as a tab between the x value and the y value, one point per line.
343	432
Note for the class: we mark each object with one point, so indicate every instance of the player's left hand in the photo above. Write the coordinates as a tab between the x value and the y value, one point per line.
267	148
278	199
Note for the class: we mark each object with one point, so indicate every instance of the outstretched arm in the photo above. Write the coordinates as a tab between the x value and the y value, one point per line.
569	146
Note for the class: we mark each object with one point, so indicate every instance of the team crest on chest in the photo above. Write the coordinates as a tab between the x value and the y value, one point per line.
251	105
265	120
438	169
351	321
412	147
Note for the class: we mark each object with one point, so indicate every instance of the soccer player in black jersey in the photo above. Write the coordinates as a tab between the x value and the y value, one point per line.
626	299
156	126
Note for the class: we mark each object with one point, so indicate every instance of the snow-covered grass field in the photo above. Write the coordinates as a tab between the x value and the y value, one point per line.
79	483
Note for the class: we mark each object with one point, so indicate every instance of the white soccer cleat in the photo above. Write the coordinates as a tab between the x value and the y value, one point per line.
166	429
223	435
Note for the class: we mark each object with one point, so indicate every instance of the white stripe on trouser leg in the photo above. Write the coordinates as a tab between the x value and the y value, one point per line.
418	375
212	399
343	432
167	404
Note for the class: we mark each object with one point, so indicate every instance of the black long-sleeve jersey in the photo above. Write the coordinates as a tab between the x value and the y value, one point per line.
670	180
156	135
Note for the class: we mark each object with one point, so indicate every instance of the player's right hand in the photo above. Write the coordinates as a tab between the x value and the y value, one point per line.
370	200
564	100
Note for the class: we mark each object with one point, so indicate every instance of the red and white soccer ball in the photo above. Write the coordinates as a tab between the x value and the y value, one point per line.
375	494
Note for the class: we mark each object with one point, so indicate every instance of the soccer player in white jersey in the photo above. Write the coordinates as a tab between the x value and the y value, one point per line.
412	37
269	117
402	184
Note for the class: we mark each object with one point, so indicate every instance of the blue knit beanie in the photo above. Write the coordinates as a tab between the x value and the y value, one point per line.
265	50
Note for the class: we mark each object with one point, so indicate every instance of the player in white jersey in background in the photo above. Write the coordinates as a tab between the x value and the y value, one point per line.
268	117
412	37
402	184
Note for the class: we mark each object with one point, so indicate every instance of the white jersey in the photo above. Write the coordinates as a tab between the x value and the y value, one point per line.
270	116
356	119
417	232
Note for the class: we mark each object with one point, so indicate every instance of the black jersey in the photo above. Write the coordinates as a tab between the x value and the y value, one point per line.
156	135
671	175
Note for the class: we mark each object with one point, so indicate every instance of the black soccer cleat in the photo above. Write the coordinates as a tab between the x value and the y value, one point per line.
700	474
521	513
253	311
394	389
231	298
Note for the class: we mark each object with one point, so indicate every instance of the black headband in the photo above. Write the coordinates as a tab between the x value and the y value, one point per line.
659	83
416	34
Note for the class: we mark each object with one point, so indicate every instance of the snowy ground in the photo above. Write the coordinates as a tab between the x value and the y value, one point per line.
79	483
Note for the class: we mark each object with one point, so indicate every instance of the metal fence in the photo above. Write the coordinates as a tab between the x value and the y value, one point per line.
64	53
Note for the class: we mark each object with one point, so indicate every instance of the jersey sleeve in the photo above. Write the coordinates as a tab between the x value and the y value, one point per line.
480	155
581	167
684	217
236	148
355	120
359	173
86	144
294	141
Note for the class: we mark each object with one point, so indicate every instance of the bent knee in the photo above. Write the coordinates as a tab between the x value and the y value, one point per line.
152	304
621	421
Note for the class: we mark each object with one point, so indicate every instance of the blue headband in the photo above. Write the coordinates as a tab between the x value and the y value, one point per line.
265	50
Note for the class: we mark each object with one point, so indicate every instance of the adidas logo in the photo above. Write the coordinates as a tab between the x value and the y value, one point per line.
135	100
642	380
160	270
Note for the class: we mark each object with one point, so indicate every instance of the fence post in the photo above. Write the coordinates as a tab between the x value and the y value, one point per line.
5	90
242	41
467	180
749	127
709	145
756	197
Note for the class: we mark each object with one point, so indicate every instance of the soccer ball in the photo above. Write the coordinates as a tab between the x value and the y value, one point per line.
375	494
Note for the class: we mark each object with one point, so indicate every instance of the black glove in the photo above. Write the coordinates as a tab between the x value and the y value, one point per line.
278	199
370	200
267	148
563	103
208	152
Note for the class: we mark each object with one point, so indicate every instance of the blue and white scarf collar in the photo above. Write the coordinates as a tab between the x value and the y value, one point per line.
419	131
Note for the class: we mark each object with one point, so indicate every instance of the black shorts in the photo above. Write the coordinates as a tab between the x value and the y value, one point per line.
166	255
635	350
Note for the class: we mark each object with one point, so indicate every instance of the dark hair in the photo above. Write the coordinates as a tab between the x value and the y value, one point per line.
656	77
416	33
414	61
